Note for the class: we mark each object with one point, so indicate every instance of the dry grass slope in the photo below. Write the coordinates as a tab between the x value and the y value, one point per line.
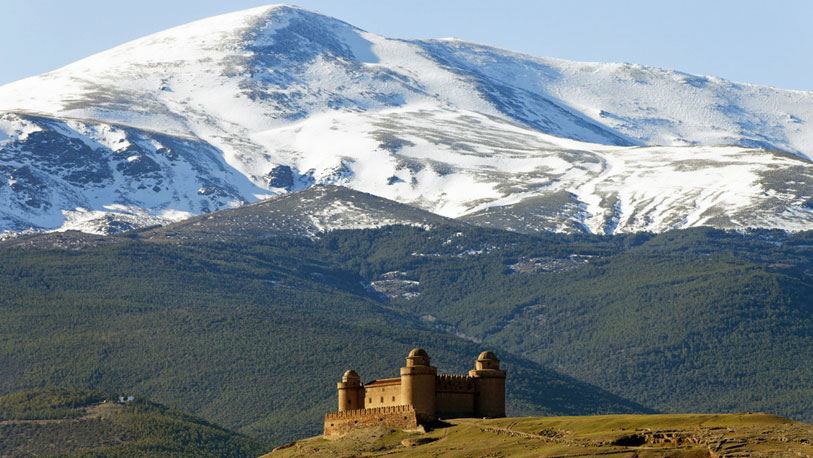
684	435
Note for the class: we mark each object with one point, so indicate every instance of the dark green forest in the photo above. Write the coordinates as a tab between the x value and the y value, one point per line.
693	320
252	333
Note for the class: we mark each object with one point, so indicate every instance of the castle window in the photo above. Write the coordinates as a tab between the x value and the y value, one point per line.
393	399
370	400
382	399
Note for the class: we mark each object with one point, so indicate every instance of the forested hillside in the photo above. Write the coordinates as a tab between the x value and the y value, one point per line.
252	333
695	320
82	423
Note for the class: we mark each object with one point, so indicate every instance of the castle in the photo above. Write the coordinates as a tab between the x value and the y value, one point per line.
419	396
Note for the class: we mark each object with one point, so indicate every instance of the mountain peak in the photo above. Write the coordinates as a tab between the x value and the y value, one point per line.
236	108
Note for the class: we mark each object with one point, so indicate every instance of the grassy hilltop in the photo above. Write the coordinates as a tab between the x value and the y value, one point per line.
675	435
77	422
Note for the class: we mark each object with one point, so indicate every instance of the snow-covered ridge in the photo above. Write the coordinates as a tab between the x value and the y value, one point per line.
235	108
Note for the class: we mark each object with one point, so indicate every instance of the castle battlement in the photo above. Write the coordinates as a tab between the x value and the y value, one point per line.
368	412
447	382
420	395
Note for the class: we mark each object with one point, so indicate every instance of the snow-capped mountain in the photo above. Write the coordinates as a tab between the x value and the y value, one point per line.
241	107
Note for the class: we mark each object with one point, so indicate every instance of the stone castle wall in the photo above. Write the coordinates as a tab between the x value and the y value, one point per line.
455	395
461	383
385	393
419	396
397	417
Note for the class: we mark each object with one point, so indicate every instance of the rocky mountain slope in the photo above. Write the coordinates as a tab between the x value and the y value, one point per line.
240	107
302	214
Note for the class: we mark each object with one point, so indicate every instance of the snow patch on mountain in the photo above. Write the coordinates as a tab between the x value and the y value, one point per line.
241	107
117	218
62	174
646	105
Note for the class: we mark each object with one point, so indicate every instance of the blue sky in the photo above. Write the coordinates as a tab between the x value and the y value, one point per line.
761	42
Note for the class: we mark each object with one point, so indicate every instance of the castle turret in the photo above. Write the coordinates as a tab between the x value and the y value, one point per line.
490	383
418	384
351	396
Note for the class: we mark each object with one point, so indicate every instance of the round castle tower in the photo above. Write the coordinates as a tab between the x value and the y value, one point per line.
418	384
350	389
490	383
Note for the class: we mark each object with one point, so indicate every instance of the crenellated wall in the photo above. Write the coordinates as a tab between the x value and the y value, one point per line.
455	395
449	382
338	424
